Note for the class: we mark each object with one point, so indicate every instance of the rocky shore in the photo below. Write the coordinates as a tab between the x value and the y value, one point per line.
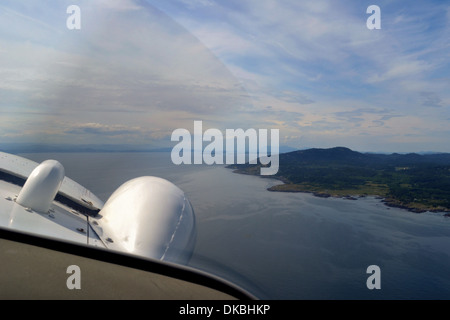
287	186
393	203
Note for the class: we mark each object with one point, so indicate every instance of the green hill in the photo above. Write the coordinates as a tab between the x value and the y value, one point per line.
411	181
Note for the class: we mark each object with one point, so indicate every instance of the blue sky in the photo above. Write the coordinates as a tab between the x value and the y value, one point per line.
137	70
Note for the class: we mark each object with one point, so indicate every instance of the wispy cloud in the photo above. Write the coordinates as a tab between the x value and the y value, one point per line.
133	70
102	129
402	70
324	53
130	68
193	4
431	99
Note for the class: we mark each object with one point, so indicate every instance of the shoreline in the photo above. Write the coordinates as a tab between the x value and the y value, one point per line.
389	202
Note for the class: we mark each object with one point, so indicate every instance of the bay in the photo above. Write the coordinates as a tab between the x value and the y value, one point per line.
288	245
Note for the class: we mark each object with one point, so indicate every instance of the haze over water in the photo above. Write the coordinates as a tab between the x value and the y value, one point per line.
288	245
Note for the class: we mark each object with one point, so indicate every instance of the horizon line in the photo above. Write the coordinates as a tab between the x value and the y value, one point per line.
121	148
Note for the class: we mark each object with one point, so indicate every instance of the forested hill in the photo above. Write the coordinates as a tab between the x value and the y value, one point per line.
414	181
345	156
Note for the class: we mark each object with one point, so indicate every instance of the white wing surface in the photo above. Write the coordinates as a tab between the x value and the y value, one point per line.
146	216
22	168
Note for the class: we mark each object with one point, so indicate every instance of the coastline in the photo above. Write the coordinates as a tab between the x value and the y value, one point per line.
286	186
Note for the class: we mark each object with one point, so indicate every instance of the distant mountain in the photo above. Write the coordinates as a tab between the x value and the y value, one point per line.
346	156
335	155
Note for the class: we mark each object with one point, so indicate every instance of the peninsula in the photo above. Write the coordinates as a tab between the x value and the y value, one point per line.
411	181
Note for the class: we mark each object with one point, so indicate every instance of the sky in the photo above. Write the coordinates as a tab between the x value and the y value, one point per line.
137	70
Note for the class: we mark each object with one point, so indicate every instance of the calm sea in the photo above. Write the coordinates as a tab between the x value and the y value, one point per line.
288	245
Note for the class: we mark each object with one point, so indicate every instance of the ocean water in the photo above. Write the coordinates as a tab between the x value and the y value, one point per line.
288	245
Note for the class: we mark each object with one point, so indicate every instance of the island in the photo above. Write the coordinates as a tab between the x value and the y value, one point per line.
416	182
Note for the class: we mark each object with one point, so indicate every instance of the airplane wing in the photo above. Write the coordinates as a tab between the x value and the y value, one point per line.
61	221
19	169
146	228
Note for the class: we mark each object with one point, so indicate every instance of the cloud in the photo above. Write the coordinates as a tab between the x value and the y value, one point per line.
365	115
402	70
131	68
119	5
358	112
193	4
294	97
102	129
431	99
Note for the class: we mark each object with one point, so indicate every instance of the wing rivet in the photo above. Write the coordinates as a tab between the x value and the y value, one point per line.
81	230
